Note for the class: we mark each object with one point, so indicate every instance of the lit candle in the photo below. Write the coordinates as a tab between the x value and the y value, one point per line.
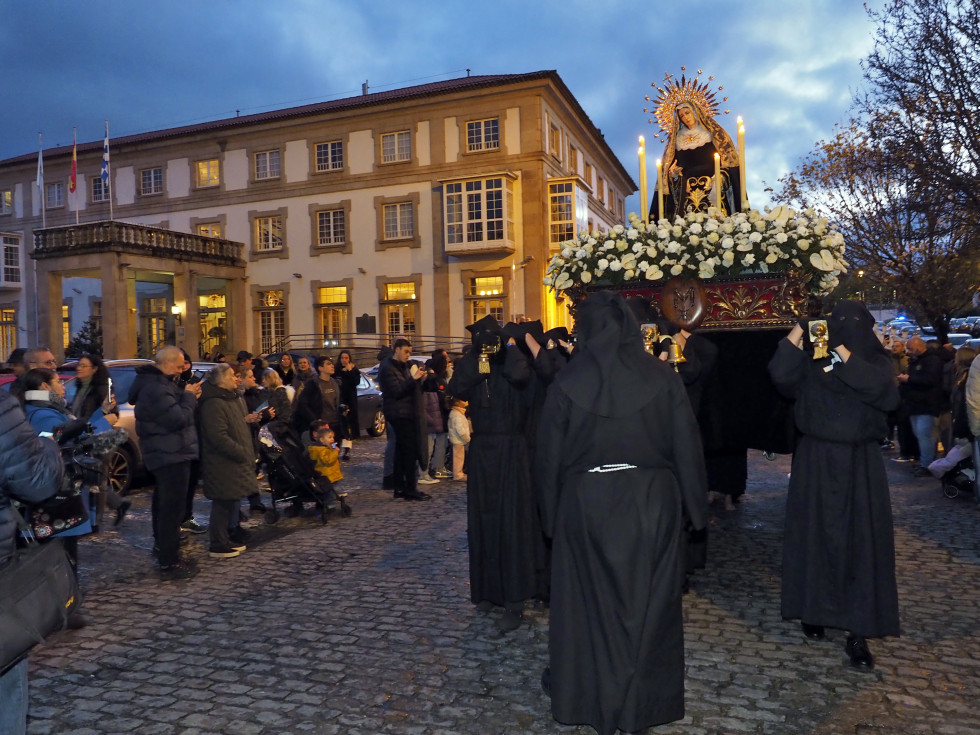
717	181
660	190
645	211
744	204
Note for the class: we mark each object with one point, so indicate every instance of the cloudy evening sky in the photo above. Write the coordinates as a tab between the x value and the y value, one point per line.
788	68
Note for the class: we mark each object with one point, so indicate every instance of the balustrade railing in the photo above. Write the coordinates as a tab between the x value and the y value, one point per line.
110	235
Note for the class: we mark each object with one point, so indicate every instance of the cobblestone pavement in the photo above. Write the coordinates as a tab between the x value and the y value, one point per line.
365	626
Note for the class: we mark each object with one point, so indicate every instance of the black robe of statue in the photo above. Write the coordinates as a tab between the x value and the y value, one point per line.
503	532
839	549
616	634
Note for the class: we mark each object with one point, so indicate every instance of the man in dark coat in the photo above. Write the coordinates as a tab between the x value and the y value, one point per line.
30	471
227	459
501	522
401	400
839	551
618	464
168	438
921	389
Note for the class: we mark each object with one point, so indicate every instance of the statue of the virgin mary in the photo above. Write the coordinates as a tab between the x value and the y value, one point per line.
686	114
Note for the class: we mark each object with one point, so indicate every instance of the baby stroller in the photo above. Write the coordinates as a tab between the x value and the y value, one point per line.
960	479
292	476
955	471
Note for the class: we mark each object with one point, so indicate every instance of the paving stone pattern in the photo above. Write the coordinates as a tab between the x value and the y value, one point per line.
364	625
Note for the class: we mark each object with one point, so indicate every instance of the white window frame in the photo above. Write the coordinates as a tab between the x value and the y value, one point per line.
557	223
399	221
331	227
268	165
12	270
209	229
207	173
396	147
54	195
151	181
332	158
469	205
264	237
483	135
100	191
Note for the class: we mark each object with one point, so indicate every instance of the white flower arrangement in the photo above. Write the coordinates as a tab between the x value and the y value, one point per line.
705	245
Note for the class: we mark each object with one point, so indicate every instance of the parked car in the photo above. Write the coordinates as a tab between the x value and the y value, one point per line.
957	339
967	326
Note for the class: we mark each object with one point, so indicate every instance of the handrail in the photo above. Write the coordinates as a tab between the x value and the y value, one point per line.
363	343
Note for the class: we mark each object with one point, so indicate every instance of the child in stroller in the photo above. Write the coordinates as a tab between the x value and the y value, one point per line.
293	476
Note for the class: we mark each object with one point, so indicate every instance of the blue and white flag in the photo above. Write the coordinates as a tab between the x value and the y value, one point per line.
105	158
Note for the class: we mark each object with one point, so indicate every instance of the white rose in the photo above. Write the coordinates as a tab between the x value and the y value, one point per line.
619	229
755	237
803	244
567	253
643	265
602	264
728	258
713	237
548	281
781	237
727	242
615	265
727	227
695	228
586	276
663	233
608	245
694	240
676	231
749	259
745	227
637	247
706	269
580	253
588	248
631	233
621	245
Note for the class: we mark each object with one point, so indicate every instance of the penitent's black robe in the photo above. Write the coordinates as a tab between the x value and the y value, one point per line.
616	634
839	549
502	529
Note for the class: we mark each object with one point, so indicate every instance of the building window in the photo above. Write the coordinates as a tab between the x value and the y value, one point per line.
554	141
330	156
331	227
399	221
54	195
396	147
399	308
11	259
486	296
6	201
600	191
333	312
8	330
588	175
267	165
268	233
478	211
207	173
151	181
272	320
100	191
573	159
483	135
562	211
209	229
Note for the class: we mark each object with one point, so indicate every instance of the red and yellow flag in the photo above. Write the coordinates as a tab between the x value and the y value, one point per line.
72	180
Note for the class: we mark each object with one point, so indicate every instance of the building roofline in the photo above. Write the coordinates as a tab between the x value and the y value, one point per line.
450	86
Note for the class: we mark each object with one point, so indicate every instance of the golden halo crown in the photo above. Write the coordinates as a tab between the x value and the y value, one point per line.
673	92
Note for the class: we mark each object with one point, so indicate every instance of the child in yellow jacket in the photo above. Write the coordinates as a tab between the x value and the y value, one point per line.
324	452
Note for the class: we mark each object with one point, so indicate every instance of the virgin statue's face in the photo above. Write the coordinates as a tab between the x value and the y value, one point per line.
686	116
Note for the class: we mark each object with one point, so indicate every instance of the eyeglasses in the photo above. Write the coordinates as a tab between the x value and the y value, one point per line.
50	363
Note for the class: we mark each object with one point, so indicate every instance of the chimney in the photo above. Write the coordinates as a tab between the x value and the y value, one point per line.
364	87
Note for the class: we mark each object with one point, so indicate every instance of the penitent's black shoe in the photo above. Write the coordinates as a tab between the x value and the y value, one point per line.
121	511
546	680
813	632
857	650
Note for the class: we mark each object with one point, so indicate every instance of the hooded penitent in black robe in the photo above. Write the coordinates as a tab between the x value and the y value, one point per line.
838	552
618	461
502	529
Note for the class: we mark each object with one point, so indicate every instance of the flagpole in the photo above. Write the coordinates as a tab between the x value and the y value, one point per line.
106	172
40	179
73	181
